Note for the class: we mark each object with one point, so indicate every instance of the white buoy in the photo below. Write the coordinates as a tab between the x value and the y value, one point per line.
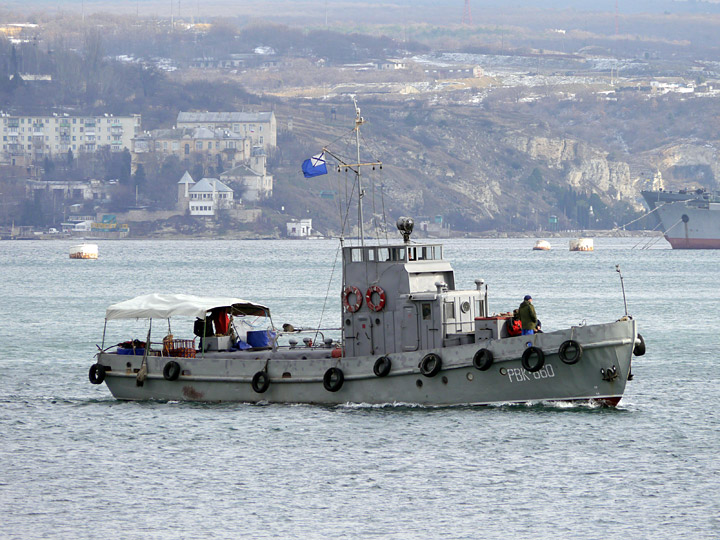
582	244
84	251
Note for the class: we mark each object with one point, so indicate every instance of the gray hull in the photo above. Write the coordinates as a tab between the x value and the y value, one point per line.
691	227
690	223
226	377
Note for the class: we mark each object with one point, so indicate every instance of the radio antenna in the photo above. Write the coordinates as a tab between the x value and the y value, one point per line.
622	284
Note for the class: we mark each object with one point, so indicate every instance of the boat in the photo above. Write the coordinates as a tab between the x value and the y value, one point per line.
541	245
406	335
582	244
84	251
690	219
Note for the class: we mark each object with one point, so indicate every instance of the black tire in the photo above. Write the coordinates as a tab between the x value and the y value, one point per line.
639	348
96	374
171	371
575	348
382	366
260	382
431	365
483	359
528	354
333	379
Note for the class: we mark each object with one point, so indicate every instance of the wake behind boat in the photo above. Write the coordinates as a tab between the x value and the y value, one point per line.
407	335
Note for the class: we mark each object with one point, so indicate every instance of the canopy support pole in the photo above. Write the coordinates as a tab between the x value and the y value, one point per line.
102	347
142	373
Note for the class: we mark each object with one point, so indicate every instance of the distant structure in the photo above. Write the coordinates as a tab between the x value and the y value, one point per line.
299	228
433	227
260	127
195	145
454	72
617	26
28	140
252	178
467	16
204	198
390	64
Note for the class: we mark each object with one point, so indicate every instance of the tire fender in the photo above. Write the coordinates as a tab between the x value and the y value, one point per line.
483	359
527	362
171	371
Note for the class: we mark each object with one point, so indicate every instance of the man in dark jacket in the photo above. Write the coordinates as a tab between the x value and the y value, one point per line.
527	315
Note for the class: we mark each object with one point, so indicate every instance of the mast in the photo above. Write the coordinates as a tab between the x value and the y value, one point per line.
358	122
355	167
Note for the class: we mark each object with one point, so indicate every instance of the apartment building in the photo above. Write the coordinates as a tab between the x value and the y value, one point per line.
198	144
30	139
260	127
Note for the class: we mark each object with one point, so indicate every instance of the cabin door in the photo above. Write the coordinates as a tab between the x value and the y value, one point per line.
409	329
379	331
428	326
363	333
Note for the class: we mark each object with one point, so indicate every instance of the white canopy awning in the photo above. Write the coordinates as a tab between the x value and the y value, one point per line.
164	306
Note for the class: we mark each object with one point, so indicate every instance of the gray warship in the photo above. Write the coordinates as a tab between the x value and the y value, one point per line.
690	218
407	335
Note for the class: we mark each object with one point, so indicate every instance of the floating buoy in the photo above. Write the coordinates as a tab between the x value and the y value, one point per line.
541	245
582	244
84	251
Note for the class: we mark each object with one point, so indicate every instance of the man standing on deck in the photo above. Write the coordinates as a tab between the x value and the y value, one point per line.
527	315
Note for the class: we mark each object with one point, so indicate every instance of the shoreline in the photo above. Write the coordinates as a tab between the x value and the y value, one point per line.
488	235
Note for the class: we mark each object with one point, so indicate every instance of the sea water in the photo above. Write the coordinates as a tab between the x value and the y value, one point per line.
76	463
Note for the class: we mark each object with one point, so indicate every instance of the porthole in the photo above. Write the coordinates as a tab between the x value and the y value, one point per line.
419	383
347	322
444	380
470	376
465	307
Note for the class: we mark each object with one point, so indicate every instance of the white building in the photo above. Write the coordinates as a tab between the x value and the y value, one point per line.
260	127
30	139
299	228
204	198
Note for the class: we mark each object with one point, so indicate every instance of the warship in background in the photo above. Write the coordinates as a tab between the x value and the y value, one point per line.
690	219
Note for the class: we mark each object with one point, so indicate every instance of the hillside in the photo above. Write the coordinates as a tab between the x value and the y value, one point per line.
508	169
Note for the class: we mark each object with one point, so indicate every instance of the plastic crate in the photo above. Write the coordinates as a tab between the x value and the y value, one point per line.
136	351
182	348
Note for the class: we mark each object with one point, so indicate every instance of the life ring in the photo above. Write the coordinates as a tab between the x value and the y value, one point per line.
171	371
382	366
574	346
352	308
431	365
639	348
96	374
333	379
368	298
260	382
528	354
483	359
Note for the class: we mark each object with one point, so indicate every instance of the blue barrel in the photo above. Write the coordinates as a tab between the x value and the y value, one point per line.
260	338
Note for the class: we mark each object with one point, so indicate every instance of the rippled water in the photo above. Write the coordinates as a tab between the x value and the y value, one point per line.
75	463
